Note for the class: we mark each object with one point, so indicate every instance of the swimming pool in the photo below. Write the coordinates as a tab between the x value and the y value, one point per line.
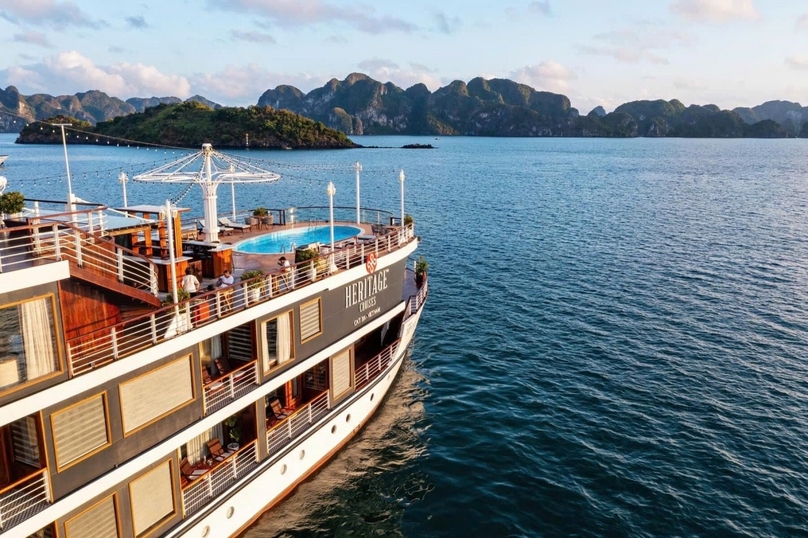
280	242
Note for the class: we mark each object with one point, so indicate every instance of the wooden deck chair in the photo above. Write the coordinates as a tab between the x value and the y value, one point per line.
189	472
207	381
278	410
227	223
224	368
217	451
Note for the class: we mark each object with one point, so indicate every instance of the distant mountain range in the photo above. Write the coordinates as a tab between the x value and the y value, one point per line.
496	107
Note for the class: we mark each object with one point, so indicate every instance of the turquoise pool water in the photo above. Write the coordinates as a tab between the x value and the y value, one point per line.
286	240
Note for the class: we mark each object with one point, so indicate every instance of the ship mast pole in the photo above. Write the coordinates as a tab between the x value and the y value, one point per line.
358	168
169	215
70	206
331	192
209	198
401	179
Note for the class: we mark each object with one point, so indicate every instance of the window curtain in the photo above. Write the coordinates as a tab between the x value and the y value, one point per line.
284	340
37	338
197	449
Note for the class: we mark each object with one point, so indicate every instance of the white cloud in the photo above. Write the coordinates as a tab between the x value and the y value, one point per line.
446	25
797	62
715	11
52	13
388	71
32	38
636	45
252	37
312	12
137	22
540	6
547	76
243	85
802	22
681	83
70	72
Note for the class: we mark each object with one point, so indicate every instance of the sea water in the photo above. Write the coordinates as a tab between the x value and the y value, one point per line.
615	342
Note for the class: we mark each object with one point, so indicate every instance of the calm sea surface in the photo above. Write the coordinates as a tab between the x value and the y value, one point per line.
614	345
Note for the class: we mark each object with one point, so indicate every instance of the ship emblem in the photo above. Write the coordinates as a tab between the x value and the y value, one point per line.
370	263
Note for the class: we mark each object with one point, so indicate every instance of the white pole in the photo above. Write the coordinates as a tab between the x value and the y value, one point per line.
331	192
358	168
209	197
170	229
123	178
401	179
233	197
70	206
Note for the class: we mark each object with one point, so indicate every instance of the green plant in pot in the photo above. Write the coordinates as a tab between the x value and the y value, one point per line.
421	266
260	212
254	287
12	202
308	255
408	219
233	429
181	294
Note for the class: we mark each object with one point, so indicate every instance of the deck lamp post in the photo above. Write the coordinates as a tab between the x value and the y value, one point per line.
358	168
122	179
331	192
70	206
401	179
169	212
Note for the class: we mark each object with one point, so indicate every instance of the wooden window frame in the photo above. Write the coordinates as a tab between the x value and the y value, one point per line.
151	530
320	314
265	345
107	421
116	507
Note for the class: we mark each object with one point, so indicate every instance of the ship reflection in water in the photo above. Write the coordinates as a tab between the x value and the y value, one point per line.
365	489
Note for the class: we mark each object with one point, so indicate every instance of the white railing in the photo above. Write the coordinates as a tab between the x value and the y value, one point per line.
23	499
227	388
297	423
416	301
116	341
24	246
375	366
199	492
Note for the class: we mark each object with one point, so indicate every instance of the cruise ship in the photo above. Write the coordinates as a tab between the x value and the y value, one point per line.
131	409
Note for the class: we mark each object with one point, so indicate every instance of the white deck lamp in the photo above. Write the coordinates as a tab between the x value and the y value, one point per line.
358	168
122	179
331	192
401	179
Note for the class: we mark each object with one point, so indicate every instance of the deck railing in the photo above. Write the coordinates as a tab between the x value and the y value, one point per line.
416	301
375	366
49	241
228	388
125	338
295	424
199	492
23	499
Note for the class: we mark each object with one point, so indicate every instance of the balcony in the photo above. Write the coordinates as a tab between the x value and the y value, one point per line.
225	389
23	499
218	478
291	427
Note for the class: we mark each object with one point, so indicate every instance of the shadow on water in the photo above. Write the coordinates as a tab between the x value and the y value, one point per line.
365	489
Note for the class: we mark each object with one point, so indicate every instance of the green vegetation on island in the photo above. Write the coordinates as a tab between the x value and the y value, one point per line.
190	124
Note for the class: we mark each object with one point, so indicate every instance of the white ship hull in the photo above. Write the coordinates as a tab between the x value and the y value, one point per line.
247	499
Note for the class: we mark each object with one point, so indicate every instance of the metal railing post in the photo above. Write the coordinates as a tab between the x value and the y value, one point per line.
77	238
119	256
114	335
56	243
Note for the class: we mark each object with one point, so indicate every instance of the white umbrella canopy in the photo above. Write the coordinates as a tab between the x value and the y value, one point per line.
209	169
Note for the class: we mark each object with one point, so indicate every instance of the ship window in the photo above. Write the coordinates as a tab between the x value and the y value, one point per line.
196	449
154	395
80	430
341	378
277	343
310	321
28	348
210	350
315	378
152	498
99	521
25	441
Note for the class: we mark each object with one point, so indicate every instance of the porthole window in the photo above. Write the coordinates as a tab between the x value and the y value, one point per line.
206	531
230	512
371	396
302	454
283	469
348	417
334	428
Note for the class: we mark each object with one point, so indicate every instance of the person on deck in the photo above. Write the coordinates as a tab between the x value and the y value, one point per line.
190	283
223	283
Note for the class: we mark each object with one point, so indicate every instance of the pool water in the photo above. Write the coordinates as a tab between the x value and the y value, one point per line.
286	240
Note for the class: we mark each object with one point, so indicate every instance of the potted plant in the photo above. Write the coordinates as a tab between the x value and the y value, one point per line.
233	431
11	204
421	266
253	288
261	216
181	294
308	255
408	219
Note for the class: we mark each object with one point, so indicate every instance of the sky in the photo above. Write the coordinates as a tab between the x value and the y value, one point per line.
596	52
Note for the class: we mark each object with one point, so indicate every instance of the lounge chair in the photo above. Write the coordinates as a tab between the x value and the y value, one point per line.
189	472
210	383
278	410
217	451
227	223
224	368
222	228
